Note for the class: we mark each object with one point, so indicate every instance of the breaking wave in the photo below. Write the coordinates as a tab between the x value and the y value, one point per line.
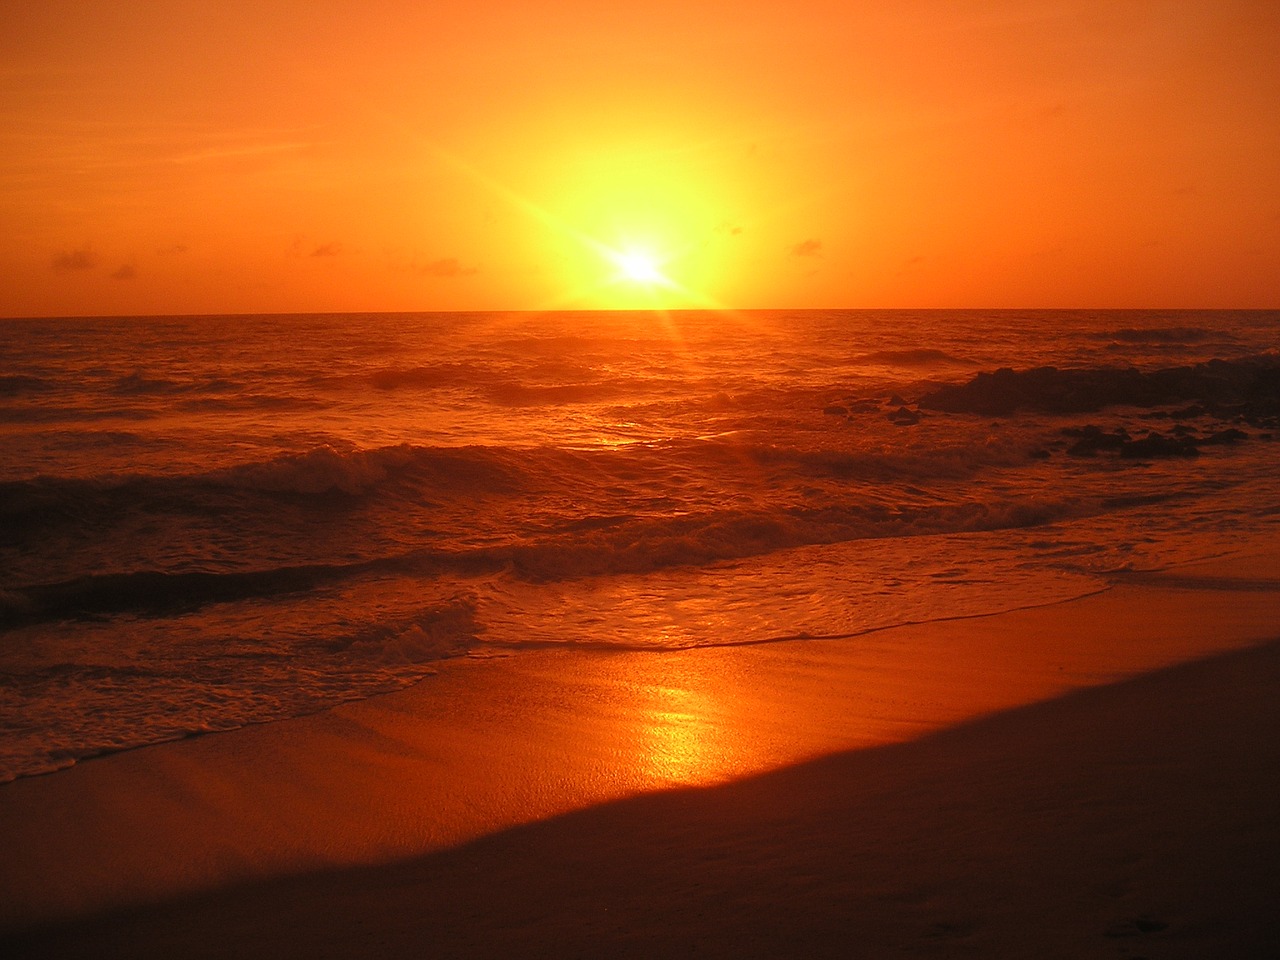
600	546
1249	387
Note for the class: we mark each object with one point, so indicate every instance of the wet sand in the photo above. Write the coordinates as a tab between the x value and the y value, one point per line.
887	795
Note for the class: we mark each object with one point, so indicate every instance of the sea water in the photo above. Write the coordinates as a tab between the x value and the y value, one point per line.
207	522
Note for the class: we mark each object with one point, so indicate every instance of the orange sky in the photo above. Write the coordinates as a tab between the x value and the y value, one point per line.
182	156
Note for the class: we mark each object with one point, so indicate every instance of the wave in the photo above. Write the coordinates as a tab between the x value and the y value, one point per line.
1162	335
139	384
155	592
442	630
331	507
328	471
648	544
614	545
323	472
551	380
913	358
13	385
1247	388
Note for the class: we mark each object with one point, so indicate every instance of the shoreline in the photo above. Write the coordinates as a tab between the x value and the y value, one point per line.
1093	824
491	748
435	666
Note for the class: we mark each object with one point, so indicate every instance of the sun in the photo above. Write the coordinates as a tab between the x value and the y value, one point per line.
639	266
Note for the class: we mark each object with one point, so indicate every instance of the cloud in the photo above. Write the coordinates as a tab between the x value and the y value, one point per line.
172	250
74	260
807	248
448	267
126	272
327	250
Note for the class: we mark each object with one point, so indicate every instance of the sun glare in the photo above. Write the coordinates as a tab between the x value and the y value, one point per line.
640	267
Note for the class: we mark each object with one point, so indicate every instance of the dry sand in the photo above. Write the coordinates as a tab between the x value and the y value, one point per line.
888	795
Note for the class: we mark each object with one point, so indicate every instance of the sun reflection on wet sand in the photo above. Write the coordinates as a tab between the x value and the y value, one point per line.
675	742
687	720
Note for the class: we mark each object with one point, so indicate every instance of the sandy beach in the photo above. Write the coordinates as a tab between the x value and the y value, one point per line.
1092	778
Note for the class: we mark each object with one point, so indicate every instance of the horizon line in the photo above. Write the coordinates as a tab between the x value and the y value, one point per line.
624	310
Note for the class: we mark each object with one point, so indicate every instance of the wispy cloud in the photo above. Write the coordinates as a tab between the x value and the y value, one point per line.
327	250
69	260
447	267
124	272
807	248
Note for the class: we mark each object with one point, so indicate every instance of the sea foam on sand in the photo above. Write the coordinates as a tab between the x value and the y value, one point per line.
885	795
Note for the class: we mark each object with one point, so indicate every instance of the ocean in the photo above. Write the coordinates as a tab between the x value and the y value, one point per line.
208	522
